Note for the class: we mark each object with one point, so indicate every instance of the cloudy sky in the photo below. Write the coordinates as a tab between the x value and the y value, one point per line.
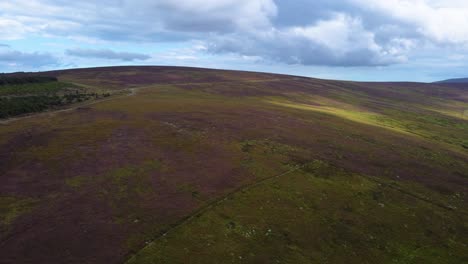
414	40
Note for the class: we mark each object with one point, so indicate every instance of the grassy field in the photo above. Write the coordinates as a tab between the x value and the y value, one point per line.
203	166
322	215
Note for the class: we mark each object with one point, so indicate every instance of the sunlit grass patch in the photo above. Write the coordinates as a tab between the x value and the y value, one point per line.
76	182
364	117
13	207
455	109
431	126
427	126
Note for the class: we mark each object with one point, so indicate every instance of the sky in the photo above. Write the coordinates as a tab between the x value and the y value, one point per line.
370	40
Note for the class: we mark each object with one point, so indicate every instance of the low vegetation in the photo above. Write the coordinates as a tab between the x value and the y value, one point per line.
319	215
28	94
44	88
207	166
16	79
13	207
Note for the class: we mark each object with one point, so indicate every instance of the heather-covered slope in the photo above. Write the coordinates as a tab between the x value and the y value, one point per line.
186	165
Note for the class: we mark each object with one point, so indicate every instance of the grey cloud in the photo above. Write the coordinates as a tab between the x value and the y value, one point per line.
141	19
4	45
221	16
107	54
339	41
303	52
19	58
247	27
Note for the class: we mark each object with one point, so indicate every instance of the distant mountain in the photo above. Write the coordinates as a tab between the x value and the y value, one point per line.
458	80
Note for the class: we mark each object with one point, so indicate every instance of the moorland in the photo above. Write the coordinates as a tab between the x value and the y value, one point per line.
187	165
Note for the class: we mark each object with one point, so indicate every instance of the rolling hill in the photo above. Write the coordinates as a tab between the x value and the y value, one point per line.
189	165
459	80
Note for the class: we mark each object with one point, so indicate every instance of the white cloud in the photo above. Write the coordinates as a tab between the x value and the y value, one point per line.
342	34
216	15
11	29
17	27
319	32
341	40
147	17
442	21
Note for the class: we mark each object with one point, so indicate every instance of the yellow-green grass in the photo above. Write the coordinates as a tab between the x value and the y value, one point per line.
425	125
13	207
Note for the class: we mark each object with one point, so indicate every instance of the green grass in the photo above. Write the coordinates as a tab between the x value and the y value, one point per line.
128	184
431	126
76	182
428	125
13	207
22	105
132	180
320	215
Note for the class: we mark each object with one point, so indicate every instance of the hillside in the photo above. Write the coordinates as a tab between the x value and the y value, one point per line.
188	165
459	80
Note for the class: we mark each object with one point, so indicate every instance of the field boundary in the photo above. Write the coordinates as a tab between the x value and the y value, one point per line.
187	219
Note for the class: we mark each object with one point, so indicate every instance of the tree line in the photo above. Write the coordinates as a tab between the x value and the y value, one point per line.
6	79
13	106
